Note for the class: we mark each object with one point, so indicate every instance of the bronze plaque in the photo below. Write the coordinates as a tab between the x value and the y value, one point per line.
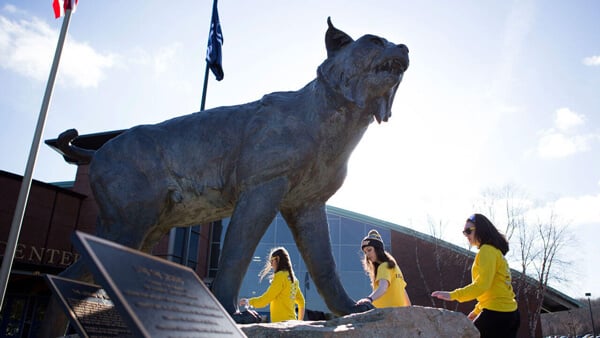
89	308
155	297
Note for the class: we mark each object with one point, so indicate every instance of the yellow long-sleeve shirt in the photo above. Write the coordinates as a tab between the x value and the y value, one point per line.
395	295
282	295
491	283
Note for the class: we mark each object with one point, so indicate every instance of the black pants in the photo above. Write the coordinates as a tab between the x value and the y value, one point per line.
494	324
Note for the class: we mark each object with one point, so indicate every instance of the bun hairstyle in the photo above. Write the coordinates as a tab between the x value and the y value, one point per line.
373	239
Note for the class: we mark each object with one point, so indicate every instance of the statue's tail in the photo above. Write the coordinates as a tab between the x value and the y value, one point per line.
80	155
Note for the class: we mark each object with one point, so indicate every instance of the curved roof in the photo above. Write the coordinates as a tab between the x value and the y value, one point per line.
554	300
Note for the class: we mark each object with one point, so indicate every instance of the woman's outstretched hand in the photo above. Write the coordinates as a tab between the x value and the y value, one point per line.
443	295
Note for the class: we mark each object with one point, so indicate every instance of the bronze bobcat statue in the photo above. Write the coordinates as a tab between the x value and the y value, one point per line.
287	152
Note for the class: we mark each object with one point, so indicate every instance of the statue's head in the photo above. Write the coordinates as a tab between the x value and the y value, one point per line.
366	72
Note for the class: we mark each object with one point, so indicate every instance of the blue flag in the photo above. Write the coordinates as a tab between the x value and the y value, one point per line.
215	41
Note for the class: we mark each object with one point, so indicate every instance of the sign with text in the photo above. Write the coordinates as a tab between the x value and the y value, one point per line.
89	308
155	297
32	254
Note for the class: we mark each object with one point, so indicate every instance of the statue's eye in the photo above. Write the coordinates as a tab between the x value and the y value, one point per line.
377	41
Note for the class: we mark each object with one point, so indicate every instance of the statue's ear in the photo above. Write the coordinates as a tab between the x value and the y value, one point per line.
335	39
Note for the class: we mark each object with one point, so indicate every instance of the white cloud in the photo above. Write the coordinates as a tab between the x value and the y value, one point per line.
27	47
567	119
165	57
161	61
10	8
562	141
576	211
555	145
83	65
592	60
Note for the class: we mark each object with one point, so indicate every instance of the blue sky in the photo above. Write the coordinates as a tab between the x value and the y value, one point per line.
498	92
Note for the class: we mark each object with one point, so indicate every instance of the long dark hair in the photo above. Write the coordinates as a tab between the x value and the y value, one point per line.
486	233
382	257
283	263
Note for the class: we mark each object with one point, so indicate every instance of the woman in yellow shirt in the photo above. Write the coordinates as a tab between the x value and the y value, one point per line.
283	293
496	313
387	281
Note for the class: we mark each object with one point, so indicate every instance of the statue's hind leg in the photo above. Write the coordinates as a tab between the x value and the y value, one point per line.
137	235
131	202
132	219
255	210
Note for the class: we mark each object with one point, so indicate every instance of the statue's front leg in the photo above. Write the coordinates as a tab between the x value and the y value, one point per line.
311	232
255	210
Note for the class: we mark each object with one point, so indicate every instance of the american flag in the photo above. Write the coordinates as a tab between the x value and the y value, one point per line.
60	7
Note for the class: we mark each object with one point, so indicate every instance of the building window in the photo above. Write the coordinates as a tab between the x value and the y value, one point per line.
345	235
216	238
183	246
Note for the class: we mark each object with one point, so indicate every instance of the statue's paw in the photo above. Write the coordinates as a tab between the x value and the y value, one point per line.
362	307
246	317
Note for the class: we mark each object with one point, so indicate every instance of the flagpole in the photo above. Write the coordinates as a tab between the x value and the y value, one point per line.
204	88
17	221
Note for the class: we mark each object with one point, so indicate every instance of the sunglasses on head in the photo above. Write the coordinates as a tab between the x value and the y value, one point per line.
468	231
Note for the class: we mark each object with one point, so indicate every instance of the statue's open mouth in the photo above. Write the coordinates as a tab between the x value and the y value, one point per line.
394	66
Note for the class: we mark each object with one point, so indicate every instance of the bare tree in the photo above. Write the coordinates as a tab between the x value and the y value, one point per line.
487	201
422	274
551	240
506	205
436	227
442	257
436	233
514	207
537	247
524	256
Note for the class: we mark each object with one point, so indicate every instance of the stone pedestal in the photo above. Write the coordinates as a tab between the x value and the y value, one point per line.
406	322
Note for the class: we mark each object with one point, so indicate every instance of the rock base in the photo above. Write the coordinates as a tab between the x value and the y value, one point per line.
404	322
